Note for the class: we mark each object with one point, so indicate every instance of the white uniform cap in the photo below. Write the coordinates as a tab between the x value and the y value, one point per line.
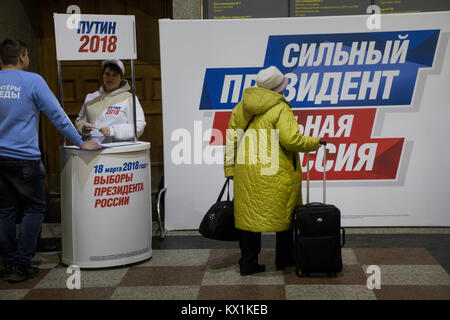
271	78
117	62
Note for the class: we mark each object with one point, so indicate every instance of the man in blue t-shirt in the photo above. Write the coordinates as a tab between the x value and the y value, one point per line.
23	95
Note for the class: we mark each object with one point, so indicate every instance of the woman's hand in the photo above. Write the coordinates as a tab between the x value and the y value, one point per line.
86	128
90	145
106	131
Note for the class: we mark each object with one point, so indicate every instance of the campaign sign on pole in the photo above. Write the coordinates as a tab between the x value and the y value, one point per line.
95	37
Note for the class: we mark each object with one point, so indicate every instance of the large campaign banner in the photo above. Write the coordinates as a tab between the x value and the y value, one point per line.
379	96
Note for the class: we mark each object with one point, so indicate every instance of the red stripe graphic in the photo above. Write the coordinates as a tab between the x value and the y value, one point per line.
352	153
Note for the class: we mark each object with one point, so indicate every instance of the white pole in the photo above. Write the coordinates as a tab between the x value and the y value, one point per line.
61	96
134	99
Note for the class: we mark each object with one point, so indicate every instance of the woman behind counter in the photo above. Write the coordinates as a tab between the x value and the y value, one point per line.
107	114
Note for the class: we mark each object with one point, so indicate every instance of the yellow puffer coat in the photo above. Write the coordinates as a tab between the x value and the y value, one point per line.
266	186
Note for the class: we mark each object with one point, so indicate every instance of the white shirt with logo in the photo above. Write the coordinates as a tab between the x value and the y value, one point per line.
113	110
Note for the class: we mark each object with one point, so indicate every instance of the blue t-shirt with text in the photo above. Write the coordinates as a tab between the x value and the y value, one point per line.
23	95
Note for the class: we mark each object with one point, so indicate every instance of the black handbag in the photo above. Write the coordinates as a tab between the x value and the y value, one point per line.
218	223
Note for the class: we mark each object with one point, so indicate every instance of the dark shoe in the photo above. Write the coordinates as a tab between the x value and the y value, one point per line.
21	273
257	269
7	272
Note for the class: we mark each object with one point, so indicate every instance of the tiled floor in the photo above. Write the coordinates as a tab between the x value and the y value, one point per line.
182	269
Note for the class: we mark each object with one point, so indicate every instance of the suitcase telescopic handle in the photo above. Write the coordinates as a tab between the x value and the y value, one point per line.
343	237
324	175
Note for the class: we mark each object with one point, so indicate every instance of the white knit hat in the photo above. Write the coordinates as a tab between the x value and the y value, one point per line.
271	78
116	62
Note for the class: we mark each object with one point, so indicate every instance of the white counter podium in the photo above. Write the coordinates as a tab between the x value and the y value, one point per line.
106	212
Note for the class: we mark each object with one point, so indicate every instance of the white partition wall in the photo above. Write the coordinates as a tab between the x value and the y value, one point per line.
380	97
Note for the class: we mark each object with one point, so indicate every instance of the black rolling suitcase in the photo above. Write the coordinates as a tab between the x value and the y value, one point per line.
317	235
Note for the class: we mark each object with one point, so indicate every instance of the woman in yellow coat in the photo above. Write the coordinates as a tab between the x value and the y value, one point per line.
265	168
